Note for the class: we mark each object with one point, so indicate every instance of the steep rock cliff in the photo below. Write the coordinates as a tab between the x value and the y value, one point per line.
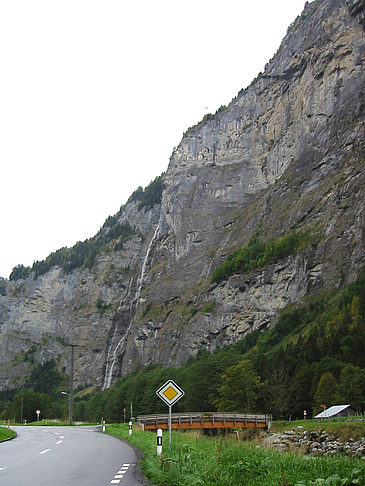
286	154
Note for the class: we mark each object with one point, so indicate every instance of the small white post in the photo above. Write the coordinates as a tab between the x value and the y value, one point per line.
103	425
130	427
159	442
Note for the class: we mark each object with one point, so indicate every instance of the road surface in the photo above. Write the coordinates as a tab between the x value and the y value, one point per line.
66	456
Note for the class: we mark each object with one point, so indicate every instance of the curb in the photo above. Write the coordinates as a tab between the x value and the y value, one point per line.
9	438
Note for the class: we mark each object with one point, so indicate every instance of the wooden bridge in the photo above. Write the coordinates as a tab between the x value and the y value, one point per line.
205	420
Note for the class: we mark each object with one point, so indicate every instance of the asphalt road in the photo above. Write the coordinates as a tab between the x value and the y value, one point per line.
66	456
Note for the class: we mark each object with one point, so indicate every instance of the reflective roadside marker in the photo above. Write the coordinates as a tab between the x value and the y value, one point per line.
130	428
159	442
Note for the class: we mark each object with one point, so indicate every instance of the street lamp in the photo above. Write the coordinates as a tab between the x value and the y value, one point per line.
69	406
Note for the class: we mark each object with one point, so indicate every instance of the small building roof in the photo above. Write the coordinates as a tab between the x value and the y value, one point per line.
332	411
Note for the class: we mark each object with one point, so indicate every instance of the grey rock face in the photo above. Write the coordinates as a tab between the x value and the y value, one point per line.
286	154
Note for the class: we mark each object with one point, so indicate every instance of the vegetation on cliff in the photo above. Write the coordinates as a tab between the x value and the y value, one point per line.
83	253
258	254
149	196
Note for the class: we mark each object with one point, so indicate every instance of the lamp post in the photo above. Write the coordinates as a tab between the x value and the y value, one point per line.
65	393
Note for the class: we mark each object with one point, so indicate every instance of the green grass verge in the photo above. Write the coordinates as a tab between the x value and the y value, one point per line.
6	433
196	460
46	423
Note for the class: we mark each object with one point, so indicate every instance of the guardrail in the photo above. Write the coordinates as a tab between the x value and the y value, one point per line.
204	420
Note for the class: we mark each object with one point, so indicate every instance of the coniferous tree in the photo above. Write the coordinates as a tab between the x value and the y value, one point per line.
325	393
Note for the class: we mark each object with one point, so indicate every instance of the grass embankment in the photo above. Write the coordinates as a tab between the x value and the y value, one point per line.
197	460
6	433
344	430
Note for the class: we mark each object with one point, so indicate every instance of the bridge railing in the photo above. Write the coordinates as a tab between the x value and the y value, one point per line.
204	420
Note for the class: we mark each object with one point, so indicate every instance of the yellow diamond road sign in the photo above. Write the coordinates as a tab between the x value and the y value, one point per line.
170	392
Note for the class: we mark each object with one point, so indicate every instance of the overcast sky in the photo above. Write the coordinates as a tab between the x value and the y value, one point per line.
94	95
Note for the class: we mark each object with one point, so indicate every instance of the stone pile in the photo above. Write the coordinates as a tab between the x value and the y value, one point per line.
315	442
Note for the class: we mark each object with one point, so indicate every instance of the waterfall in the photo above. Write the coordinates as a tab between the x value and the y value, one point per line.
144	264
112	356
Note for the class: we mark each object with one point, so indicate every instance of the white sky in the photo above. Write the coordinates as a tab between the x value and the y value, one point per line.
95	94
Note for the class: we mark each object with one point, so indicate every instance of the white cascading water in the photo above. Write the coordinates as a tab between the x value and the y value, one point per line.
112	356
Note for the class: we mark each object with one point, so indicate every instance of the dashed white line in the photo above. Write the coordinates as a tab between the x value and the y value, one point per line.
1	468
120	474
59	442
45	450
61	437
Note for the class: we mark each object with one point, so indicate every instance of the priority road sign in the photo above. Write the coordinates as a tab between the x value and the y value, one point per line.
170	393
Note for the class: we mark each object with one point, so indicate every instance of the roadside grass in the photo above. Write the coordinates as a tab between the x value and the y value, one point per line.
343	429
6	433
43	423
53	423
197	460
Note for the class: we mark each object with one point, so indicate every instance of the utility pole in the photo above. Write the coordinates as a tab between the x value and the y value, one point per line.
21	405
70	404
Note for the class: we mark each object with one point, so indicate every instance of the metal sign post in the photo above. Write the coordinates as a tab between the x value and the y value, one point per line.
170	407
170	393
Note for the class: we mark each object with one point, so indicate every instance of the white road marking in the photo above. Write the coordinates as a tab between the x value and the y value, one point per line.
120	474
56	433
45	450
1	468
58	442
61	437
